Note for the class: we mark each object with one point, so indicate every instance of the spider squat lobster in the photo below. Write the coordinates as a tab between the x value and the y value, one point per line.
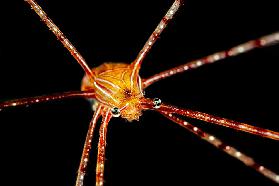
118	90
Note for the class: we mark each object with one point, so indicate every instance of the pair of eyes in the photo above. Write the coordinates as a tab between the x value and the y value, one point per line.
115	111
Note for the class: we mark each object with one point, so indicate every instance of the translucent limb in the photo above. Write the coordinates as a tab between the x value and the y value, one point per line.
152	39
214	119
248	161
101	149
239	49
51	97
60	36
87	147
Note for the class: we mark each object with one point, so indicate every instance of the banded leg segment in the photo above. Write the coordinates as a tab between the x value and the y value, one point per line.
101	149
61	37
51	97
214	119
153	38
87	147
239	49
248	161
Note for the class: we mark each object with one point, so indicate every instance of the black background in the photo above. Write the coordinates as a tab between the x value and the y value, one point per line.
42	144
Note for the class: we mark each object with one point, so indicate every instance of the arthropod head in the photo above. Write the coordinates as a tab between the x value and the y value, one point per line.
115	89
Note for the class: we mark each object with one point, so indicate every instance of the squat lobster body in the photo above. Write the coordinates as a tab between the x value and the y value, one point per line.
113	87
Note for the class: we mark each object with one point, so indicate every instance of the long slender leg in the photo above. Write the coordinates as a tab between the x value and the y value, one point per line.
87	147
51	97
101	149
248	161
154	36
215	120
61	37
239	49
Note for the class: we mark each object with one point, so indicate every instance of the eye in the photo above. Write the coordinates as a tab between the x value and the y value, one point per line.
115	112
157	103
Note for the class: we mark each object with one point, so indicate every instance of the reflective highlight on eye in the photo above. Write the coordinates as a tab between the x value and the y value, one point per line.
115	112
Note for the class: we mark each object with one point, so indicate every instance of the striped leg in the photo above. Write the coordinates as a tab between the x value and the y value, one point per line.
148	104
87	147
154	36
60	36
248	161
242	48
101	149
39	99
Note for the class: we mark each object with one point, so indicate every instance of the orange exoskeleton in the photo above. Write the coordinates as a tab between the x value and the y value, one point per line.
117	90
113	86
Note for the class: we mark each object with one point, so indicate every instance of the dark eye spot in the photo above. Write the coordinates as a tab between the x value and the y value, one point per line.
115	112
127	93
157	103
